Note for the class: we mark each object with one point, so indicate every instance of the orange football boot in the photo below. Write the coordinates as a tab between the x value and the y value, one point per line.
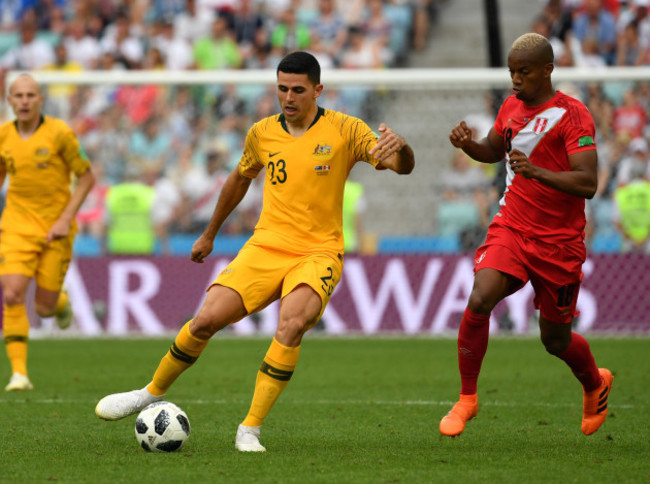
464	410
594	407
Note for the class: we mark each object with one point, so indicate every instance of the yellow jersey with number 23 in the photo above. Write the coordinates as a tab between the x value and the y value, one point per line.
305	179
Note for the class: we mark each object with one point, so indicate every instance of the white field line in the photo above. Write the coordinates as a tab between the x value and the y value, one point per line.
387	403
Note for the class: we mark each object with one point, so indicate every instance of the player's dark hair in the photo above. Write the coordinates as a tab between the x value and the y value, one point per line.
301	63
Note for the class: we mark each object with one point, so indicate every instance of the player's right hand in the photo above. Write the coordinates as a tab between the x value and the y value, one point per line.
461	135
201	249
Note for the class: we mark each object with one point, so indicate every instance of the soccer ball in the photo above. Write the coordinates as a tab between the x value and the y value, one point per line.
162	427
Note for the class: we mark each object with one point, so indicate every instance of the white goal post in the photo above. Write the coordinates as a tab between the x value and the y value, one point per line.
442	78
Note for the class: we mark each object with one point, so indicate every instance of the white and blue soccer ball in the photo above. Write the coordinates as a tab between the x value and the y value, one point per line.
162	427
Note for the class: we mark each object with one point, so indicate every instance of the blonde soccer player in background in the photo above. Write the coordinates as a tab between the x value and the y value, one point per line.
296	252
38	153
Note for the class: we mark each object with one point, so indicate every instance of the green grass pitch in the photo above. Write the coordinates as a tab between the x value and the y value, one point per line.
362	410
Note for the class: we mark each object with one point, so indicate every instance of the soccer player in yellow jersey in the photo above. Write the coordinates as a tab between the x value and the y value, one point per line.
296	252
37	228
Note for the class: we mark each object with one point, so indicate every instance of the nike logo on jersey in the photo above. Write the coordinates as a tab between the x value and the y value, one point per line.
271	155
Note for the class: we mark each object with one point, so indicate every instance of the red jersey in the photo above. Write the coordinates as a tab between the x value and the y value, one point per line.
547	134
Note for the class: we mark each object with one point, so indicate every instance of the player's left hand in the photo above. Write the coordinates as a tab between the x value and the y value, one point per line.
388	144
59	230
521	165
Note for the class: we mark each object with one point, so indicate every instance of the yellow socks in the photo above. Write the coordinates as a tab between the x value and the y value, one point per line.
16	332
183	353
272	378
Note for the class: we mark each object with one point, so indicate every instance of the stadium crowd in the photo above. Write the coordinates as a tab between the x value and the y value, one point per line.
181	141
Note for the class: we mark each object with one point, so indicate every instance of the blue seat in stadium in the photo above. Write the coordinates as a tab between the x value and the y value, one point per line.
607	242
87	246
437	244
181	244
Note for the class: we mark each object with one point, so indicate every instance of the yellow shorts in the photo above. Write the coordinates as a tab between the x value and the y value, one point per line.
32	257
261	275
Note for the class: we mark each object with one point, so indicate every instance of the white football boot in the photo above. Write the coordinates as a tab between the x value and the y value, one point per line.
120	405
18	383
248	439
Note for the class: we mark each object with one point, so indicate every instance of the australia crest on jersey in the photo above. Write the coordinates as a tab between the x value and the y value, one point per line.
322	153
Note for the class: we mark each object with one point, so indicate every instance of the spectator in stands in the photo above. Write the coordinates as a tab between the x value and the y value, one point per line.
598	24
560	19
201	188
119	41
30	54
247	21
137	101
150	146
11	13
58	95
643	19
635	161
628	50
361	52
463	211
329	27
632	211
129	207
377	27
82	48
422	10
166	204
589	55
176	50
218	50
354	205
289	34
630	118
228	103
154	60
261	55
49	16
318	50
108	144
192	25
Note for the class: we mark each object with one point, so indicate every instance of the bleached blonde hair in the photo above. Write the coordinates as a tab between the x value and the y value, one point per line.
537	44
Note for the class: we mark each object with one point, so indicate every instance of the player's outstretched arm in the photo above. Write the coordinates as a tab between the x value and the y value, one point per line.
61	227
232	193
393	152
488	150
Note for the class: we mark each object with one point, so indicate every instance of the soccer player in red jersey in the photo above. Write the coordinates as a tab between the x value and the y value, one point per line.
538	234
